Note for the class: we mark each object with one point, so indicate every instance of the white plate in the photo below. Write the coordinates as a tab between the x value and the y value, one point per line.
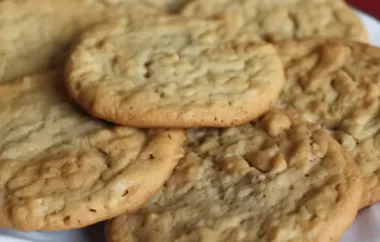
365	228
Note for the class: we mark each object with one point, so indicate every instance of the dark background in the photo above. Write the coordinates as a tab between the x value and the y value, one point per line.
371	7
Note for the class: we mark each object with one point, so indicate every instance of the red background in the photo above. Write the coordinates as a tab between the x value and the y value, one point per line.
371	7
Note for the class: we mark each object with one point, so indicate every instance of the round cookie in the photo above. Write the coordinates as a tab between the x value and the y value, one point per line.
60	169
286	19
36	35
173	72
337	84
277	179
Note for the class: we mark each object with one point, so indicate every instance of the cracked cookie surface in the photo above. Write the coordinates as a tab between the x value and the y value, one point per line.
337	84
37	36
277	179
286	19
173	72
61	169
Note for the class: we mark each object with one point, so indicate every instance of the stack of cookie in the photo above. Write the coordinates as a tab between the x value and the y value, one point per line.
207	120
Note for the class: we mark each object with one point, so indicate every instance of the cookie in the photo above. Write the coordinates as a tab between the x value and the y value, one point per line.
60	169
173	72
337	84
286	19
277	179
36	36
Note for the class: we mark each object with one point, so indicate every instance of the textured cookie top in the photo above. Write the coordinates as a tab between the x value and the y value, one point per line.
36	35
173	72
337	84
286	19
278	179
61	169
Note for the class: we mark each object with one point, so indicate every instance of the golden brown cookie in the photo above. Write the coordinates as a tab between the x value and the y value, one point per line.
337	84
286	19
60	169
278	179
173	72
36	34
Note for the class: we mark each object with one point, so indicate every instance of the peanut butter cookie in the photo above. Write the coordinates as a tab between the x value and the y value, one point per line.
277	179
337	84
286	19
173	72
60	169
